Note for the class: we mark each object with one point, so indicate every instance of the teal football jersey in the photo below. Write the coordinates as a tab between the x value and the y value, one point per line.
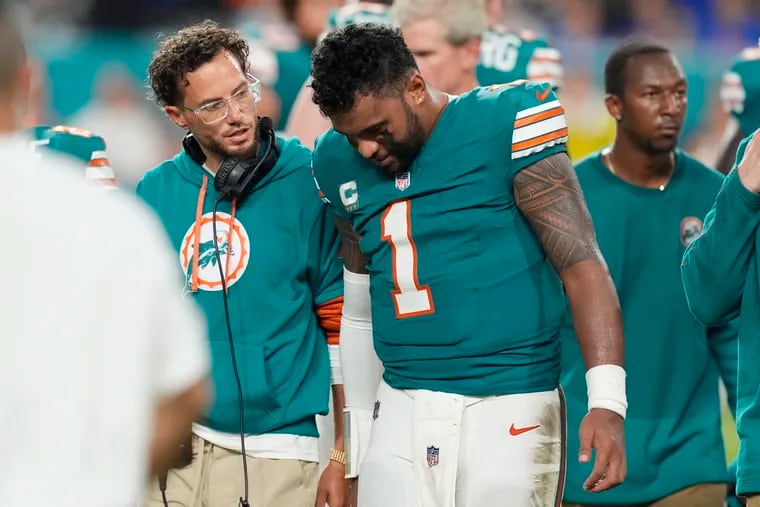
463	297
358	12
83	145
740	90
507	56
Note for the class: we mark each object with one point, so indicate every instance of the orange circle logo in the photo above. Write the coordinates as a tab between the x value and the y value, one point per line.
234	251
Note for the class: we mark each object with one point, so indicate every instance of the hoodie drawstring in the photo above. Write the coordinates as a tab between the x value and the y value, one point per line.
197	236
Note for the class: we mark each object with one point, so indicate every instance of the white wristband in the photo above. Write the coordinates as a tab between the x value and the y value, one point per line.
606	388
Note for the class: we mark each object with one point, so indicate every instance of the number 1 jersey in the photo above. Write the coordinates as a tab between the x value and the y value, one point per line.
463	297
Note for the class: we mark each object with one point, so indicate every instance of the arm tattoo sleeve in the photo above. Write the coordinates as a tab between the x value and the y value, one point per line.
549	196
353	258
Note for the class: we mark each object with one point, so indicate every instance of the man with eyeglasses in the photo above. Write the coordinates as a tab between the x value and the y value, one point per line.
271	317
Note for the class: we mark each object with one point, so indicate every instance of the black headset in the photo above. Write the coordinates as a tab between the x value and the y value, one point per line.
237	177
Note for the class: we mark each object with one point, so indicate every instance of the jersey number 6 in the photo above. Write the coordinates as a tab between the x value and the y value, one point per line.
409	298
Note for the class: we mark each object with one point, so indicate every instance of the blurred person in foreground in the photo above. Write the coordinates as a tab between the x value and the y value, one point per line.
259	252
462	221
740	95
721	275
103	366
647	199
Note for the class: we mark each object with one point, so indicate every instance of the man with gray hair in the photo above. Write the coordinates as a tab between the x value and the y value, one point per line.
456	49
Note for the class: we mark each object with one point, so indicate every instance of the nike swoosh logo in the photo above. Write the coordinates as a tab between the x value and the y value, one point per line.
519	431
544	94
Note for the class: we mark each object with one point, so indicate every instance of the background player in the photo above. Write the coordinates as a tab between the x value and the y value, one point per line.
740	94
456	50
647	199
84	146
462	235
305	121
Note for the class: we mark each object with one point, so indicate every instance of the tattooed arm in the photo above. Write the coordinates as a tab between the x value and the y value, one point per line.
353	258
549	196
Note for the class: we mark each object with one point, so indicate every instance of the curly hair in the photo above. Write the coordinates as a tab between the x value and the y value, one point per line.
357	60
185	52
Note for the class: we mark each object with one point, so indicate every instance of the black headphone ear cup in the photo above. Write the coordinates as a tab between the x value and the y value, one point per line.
193	149
223	173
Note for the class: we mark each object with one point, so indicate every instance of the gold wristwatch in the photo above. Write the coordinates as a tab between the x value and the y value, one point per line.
338	456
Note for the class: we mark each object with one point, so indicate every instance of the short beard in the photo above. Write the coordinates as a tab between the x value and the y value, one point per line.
408	148
218	150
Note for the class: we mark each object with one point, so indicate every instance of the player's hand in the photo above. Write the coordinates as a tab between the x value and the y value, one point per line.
333	486
602	430
749	167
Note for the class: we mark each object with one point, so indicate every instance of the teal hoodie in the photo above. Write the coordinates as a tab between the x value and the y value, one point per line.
673	429
281	261
722	281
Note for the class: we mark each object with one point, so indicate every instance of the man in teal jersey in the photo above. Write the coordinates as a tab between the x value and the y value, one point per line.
458	215
508	55
740	95
83	145
279	296
647	199
305	121
456	52
720	275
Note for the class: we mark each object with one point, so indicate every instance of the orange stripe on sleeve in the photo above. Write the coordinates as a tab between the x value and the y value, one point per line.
328	315
535	118
98	162
537	141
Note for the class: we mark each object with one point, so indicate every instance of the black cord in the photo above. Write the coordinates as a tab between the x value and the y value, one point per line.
244	498
163	497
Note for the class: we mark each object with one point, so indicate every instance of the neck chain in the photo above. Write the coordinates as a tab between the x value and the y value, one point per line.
660	187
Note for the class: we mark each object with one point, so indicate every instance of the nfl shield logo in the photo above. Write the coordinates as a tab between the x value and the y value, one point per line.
432	456
402	181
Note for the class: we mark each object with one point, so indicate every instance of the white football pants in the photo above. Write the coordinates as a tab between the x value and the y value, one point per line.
435	449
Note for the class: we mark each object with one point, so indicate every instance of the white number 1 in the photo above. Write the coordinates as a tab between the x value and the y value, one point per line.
410	298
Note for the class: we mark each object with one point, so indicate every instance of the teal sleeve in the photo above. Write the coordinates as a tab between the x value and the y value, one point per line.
724	349
714	266
537	127
325	265
325	164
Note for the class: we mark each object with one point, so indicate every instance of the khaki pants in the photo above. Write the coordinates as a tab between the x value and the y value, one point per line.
215	479
700	495
753	501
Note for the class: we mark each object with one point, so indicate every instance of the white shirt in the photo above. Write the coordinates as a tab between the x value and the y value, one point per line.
93	332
